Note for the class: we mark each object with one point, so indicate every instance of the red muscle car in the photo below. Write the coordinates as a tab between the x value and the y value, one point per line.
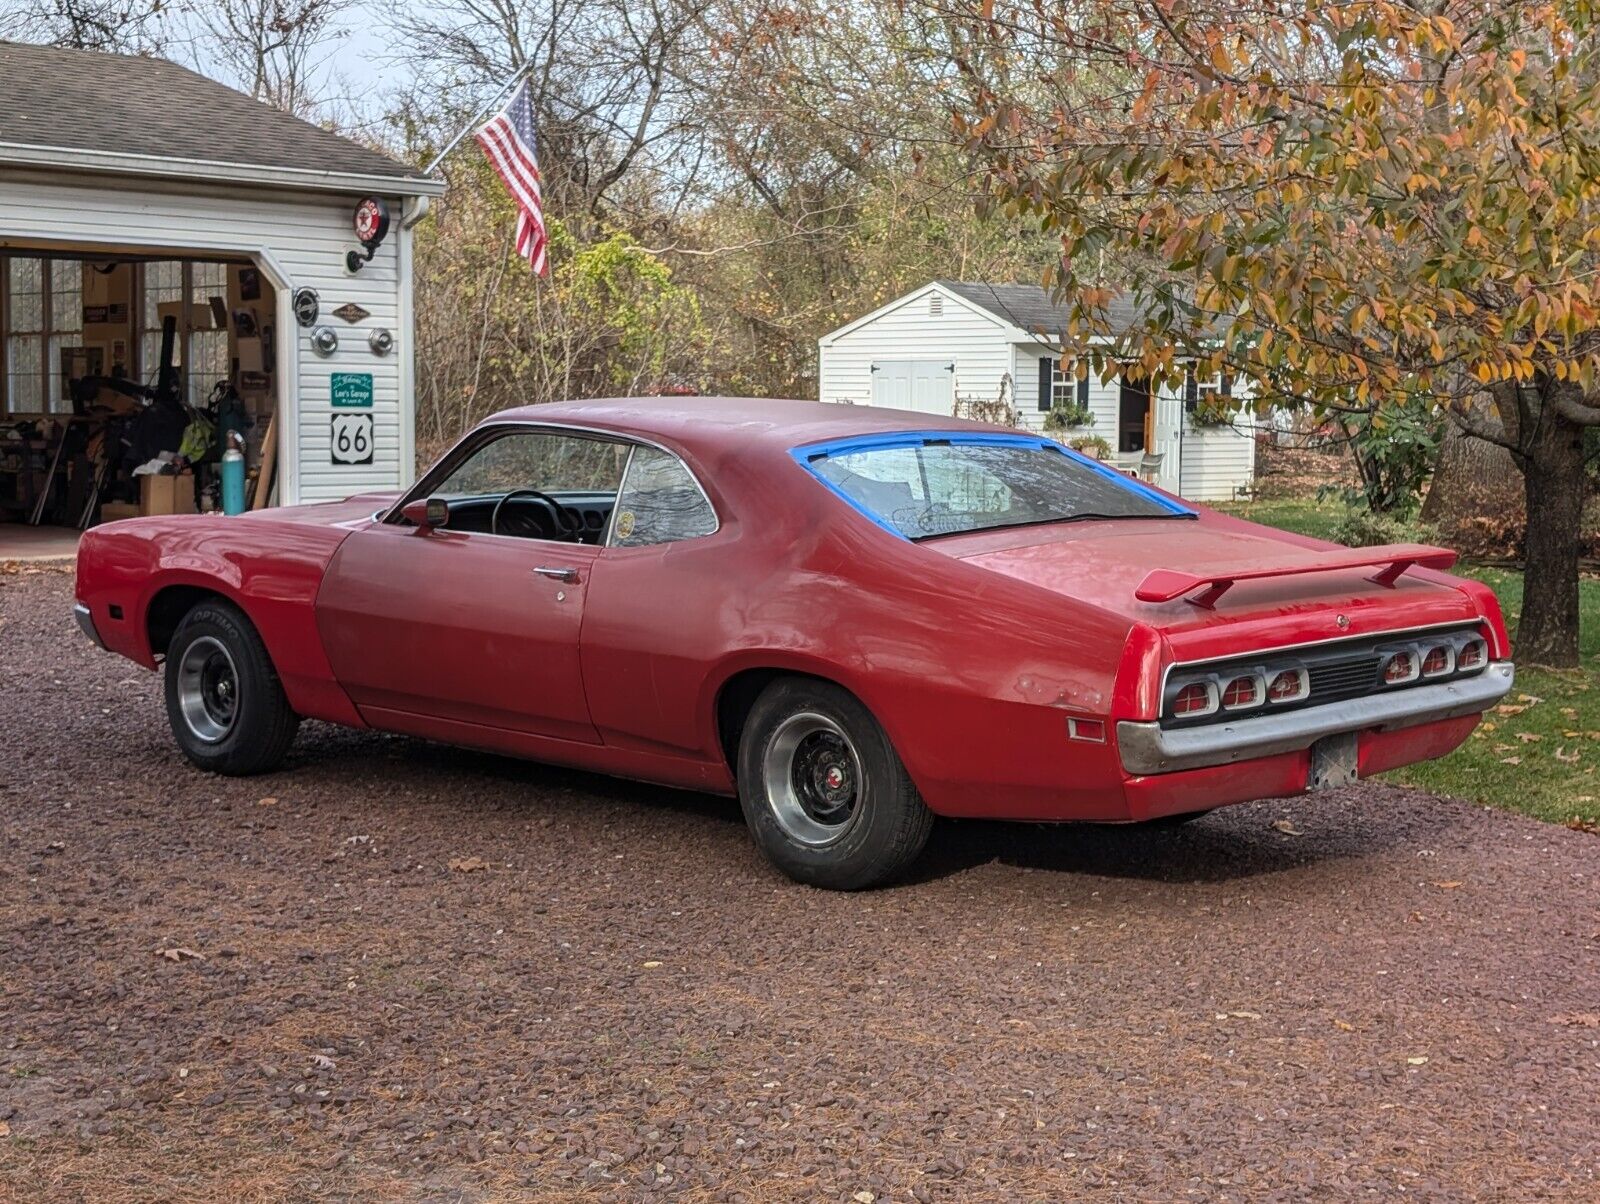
854	619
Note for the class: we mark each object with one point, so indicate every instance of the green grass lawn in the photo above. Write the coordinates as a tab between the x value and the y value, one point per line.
1539	752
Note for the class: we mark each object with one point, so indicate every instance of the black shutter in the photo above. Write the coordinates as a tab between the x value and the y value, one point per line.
1227	385
1191	390
1047	374
1083	390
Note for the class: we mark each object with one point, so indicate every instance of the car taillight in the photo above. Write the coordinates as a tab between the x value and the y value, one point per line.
1399	668
1473	655
1291	685
1241	692
1438	661
1196	698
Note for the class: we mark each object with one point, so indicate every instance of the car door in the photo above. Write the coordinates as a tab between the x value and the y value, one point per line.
461	626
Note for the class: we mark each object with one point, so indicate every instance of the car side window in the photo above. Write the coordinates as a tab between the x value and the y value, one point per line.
660	502
538	460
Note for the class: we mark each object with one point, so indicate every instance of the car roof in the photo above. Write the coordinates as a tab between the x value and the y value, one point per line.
714	424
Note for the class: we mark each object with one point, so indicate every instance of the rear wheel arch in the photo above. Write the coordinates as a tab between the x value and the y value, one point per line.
737	696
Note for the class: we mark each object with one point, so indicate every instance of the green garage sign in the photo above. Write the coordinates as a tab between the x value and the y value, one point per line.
352	390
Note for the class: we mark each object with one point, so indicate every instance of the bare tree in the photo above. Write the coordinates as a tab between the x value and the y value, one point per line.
272	48
121	26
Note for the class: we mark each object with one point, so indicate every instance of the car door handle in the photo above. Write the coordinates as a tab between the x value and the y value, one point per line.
557	573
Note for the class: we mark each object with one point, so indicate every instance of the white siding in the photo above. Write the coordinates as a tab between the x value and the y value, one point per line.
973	341
1217	460
298	241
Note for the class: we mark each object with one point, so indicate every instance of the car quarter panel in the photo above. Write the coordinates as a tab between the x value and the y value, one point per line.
270	566
972	675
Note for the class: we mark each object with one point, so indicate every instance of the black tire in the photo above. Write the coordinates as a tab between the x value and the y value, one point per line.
213	645
887	823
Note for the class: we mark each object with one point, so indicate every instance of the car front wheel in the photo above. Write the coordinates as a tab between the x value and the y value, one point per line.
224	701
824	792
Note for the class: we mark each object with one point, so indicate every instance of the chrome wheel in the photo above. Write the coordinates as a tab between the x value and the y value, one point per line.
208	689
813	780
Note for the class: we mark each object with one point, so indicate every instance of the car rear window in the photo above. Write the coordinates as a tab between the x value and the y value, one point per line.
930	484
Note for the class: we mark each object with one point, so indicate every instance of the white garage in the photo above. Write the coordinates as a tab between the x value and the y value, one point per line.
171	249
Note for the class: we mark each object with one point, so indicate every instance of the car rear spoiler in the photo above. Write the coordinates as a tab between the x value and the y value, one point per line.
1164	585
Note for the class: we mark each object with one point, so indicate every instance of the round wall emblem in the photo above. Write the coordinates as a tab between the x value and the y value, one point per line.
371	221
307	306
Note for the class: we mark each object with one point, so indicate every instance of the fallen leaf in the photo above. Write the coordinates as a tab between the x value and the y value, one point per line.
468	865
1528	737
1530	699
1416	1061
1286	826
5	1129
178	953
1569	757
269	801
1344	1026
1448	885
323	1062
1569	712
863	1197
652	965
1507	708
1511	760
1245	1015
1578	1019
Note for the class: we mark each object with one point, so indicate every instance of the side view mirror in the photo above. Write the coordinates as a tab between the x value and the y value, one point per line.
427	513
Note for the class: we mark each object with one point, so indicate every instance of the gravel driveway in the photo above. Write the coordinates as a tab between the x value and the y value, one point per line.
280	989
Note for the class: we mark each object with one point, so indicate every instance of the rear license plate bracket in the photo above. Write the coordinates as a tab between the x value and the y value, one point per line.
1333	761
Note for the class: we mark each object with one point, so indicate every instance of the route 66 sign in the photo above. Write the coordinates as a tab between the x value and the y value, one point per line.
351	439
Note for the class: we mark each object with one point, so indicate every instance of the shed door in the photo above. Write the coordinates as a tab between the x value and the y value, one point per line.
925	385
1167	437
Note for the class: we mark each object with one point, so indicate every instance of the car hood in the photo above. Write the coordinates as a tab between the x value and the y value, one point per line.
1103	563
327	514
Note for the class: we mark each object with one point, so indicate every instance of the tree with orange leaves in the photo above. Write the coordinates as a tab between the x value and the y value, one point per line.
1353	203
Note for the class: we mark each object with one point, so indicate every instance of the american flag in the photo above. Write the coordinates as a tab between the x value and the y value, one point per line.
507	138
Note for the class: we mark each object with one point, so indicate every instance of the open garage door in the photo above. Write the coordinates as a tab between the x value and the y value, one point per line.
124	377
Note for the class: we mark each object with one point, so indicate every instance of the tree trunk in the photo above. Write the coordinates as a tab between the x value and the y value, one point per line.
1554	480
1473	478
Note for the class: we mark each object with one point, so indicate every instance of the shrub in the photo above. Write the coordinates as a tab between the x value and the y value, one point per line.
1065	415
1091	445
1363	528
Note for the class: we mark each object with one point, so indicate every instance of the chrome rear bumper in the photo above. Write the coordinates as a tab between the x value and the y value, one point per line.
1148	748
86	623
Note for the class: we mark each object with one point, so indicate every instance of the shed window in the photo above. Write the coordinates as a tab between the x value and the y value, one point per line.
1059	384
208	349
162	284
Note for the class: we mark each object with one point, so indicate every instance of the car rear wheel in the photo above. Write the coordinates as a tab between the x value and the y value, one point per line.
824	792
224	701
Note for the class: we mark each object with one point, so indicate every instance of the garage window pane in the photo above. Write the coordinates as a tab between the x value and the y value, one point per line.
208	349
66	328
24	335
163	282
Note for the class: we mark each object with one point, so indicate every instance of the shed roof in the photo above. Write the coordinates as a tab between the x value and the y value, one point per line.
1034	310
147	116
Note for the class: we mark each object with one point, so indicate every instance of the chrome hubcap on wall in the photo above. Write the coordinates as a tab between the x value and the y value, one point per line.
208	689
813	778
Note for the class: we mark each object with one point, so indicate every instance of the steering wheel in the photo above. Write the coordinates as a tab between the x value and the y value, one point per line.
566	525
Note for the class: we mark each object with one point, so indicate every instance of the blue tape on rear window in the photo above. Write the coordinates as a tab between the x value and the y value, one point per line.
807	454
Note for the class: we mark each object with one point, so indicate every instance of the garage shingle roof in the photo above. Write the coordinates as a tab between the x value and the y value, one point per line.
1034	309
87	101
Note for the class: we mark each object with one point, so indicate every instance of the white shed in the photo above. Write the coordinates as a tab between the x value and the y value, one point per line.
952	341
134	195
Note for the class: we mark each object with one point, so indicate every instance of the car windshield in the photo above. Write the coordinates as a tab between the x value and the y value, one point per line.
938	485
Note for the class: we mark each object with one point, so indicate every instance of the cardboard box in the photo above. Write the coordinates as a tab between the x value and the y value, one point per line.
110	512
160	494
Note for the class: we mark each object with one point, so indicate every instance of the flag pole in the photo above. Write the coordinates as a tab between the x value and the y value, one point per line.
478	120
